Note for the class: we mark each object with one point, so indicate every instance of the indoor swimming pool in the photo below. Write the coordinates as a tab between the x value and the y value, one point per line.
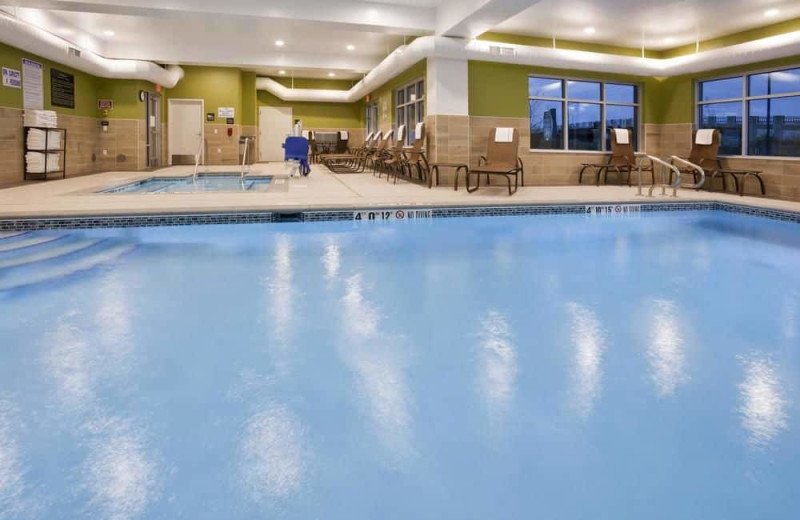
205	182
562	367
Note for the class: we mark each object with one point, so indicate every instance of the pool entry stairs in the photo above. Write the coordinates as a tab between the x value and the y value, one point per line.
32	258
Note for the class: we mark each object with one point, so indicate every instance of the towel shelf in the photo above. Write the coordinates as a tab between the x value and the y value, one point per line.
46	151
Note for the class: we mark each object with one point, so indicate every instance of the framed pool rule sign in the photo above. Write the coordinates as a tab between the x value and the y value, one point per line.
62	89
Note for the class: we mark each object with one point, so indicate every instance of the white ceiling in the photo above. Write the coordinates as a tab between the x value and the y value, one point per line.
242	33
661	24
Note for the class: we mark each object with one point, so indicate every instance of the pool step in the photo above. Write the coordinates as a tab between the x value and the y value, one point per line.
79	257
13	244
40	254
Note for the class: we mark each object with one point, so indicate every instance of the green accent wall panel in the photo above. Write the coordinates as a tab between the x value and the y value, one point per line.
217	86
317	115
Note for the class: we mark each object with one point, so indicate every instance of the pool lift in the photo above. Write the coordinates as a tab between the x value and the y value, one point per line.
669	167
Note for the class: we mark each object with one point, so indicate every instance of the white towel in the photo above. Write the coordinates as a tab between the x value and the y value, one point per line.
623	136
344	135
369	137
704	137
418	131
378	136
388	135
401	132
35	162
306	134
53	140
503	135
42	118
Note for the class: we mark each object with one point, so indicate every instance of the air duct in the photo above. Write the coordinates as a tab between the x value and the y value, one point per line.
441	47
23	35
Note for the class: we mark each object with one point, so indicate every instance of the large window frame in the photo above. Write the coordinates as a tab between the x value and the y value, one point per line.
409	99
744	99
603	103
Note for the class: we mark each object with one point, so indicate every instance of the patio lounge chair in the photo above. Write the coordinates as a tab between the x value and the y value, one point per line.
502	159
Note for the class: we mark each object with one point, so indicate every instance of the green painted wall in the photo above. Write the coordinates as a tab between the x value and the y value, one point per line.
249	101
217	86
85	85
501	90
125	94
318	115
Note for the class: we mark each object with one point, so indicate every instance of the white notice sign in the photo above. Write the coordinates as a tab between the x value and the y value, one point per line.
226	112
12	78
32	85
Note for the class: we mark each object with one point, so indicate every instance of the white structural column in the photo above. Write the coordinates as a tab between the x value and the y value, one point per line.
470	18
448	88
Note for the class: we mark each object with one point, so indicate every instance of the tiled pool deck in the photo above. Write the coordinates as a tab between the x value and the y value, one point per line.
78	197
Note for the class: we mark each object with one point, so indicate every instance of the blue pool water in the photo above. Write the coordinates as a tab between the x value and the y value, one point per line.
553	367
207	182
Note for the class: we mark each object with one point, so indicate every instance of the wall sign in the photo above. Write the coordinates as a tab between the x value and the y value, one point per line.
105	104
12	78
32	85
226	112
210	117
229	120
62	89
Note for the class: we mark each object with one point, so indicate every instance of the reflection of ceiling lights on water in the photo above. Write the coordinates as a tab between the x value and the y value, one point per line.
763	403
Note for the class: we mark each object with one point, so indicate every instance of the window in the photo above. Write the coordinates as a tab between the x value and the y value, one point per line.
588	110
758	114
372	118
410	108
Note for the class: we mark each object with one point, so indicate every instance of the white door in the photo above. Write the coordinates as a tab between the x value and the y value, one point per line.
186	127
274	124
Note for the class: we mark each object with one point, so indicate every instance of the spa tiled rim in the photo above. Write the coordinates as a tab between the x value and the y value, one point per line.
78	222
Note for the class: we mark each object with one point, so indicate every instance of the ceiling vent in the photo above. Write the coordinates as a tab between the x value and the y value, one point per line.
496	50
74	52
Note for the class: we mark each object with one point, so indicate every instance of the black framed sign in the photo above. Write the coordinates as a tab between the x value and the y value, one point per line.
62	89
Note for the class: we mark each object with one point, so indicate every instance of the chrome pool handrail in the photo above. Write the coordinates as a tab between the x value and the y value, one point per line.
197	157
696	168
664	185
244	157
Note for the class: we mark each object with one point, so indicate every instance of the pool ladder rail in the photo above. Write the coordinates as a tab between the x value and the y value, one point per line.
668	167
246	141
198	156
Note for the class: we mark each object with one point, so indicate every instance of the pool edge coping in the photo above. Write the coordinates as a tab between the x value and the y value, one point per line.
32	223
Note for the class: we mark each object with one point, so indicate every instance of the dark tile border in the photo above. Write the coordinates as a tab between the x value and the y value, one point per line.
126	221
30	224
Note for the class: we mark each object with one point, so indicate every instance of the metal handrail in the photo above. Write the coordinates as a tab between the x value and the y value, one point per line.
197	157
664	185
244	157
695	167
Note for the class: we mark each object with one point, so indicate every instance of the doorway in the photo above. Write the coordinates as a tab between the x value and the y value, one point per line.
274	124
153	123
186	130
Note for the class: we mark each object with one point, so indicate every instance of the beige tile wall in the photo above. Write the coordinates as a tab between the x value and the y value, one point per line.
123	146
10	146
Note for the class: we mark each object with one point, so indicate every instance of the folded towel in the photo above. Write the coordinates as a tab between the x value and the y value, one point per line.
42	118
401	132
35	162
623	136
503	135
53	140
418	131
369	137
344	135
704	137
378	135
388	135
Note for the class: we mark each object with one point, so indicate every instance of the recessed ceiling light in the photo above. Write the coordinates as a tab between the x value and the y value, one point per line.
282	72
280	43
109	33
589	30
331	74
669	39
771	12
351	47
